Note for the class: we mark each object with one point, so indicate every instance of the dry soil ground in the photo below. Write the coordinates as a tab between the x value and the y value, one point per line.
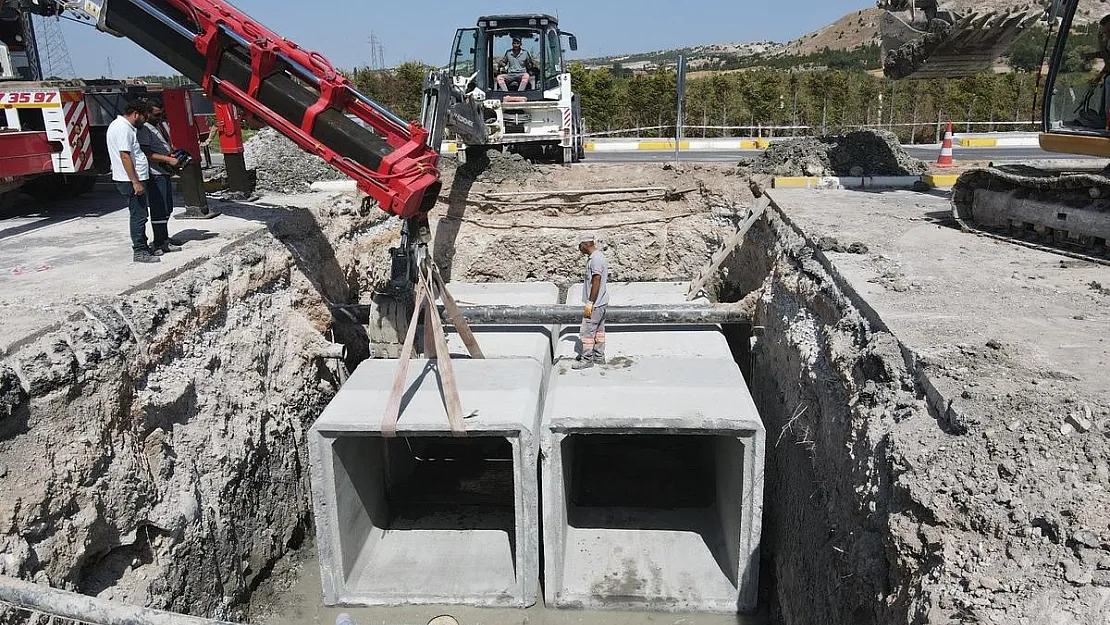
937	403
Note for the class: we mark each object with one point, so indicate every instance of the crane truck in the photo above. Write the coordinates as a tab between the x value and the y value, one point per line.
298	92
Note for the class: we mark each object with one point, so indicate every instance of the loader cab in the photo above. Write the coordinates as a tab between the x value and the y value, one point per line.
479	53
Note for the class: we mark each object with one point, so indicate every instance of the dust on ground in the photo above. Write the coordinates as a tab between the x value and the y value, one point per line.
860	153
281	166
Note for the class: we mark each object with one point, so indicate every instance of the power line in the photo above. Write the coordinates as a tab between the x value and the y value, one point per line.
377	52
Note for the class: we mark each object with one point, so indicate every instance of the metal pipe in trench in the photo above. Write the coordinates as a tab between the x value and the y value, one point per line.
83	609
650	314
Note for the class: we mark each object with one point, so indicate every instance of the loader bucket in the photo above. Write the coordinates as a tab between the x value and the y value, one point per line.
967	45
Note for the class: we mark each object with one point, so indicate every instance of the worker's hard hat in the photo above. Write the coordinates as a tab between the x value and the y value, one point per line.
516	40
586	237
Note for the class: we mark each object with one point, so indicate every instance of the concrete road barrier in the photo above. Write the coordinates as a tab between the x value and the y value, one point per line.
932	181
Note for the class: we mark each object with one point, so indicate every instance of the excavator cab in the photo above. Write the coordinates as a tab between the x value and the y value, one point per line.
1077	96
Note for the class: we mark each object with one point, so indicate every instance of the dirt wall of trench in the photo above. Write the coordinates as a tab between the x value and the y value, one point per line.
149	447
832	390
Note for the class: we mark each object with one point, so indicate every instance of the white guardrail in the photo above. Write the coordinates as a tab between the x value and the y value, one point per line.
633	144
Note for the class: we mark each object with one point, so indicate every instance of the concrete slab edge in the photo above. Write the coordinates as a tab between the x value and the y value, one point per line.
933	181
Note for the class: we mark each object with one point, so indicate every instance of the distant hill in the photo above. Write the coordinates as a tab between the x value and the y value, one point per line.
851	32
697	57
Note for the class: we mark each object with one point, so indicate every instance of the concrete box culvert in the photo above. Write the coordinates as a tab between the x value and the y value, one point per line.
651	471
428	518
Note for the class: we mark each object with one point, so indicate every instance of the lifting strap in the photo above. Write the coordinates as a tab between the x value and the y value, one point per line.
435	347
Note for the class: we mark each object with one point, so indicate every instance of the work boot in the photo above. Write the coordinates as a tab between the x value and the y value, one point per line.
177	242
144	256
585	363
167	247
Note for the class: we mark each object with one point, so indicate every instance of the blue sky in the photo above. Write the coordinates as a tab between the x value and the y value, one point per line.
422	31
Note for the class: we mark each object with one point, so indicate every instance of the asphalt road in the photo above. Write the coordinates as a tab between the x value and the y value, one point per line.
927	153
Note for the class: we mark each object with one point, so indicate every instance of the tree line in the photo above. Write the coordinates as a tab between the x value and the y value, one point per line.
822	100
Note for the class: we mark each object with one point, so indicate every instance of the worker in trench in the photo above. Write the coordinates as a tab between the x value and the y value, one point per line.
596	296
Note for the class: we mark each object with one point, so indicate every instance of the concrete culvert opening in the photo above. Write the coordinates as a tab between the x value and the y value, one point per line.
651	516
428	513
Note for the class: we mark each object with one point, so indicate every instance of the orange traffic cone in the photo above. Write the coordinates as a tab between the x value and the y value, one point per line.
946	159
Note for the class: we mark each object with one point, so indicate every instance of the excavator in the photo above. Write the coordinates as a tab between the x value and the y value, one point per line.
299	93
1063	204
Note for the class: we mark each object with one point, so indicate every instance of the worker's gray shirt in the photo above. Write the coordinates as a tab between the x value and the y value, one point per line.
151	137
596	266
517	64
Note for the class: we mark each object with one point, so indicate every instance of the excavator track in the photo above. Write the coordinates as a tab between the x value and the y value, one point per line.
1066	213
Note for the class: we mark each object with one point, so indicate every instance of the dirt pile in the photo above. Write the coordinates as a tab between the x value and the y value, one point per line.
495	167
860	153
281	166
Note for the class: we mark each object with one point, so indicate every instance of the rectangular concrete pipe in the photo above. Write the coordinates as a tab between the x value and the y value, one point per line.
534	339
652	482
689	334
426	517
651	469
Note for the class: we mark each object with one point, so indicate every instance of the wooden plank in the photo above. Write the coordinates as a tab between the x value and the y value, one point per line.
456	318
730	245
393	407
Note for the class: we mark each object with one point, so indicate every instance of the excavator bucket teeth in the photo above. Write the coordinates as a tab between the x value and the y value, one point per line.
965	46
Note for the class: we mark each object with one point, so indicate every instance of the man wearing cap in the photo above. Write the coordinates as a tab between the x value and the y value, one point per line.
515	62
596	296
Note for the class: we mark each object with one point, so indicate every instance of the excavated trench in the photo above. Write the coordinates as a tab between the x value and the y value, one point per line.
152	449
825	380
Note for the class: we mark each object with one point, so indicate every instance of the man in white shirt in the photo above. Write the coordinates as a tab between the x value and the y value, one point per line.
130	172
